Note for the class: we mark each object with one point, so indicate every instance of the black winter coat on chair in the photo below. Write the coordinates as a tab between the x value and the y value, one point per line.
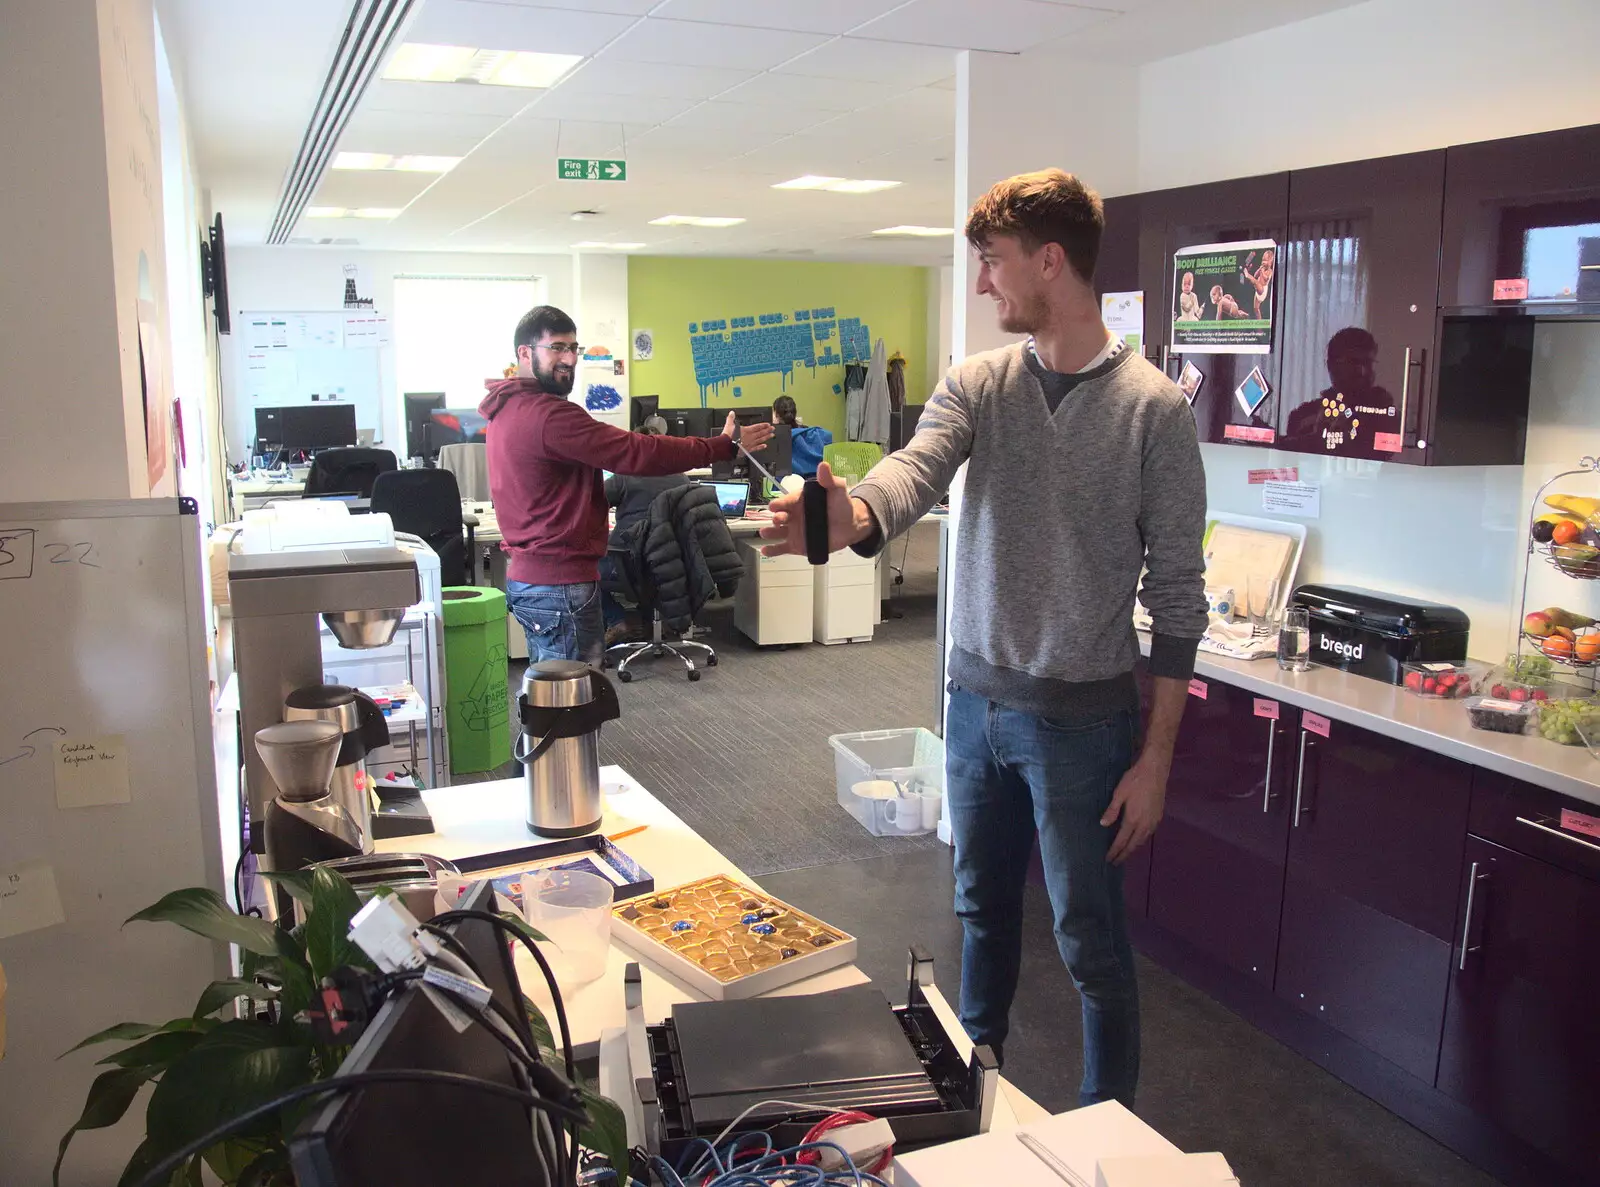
679	557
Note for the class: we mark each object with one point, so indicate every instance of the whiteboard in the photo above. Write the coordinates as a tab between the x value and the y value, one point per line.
102	635
286	358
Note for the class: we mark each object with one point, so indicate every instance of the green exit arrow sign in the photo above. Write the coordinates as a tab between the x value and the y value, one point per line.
591	169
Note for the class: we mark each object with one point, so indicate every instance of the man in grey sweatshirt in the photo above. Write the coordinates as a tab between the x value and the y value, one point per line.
1084	472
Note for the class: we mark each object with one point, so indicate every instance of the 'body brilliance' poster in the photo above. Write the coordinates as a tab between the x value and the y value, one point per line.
1223	298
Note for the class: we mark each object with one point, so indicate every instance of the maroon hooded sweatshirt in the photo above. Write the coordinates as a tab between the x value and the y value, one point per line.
545	458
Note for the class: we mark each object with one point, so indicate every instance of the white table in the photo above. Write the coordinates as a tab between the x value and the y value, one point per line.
480	818
254	491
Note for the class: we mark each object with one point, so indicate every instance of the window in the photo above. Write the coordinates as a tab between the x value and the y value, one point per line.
453	332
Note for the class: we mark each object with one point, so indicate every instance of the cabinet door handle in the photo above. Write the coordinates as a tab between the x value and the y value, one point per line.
1555	832
1405	393
1300	776
1164	353
1266	791
1466	924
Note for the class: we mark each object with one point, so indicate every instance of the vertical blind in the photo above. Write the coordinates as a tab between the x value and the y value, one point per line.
1324	272
453	332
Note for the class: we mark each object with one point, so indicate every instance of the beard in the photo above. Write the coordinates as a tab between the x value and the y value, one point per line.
557	380
1022	315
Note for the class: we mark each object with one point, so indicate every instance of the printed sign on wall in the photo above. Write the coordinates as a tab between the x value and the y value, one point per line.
1223	297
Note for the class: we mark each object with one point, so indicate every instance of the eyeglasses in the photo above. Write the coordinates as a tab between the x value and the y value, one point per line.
562	349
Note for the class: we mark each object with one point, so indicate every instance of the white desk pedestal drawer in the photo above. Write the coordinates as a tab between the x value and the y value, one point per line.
774	601
845	599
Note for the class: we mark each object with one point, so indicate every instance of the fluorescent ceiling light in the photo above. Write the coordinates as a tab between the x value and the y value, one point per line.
420	62
324	212
377	212
601	245
921	232
837	185
403	164
810	181
693	220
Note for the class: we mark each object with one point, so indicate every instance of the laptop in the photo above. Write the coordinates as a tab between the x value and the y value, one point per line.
732	497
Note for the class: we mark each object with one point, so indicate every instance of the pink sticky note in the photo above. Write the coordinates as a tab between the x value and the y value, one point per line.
1577	822
1267	709
1387	442
1316	723
1197	688
1515	289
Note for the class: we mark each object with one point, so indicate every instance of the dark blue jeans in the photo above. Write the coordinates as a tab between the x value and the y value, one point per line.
561	621
1010	775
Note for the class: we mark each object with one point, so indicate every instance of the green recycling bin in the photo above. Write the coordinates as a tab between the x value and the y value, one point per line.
476	709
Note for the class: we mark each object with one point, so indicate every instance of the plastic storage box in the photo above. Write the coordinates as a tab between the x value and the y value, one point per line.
910	759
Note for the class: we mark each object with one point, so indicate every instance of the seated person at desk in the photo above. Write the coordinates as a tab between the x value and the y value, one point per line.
808	441
632	498
545	457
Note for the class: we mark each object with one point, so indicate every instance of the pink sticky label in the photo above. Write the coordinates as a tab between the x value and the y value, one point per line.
1577	822
1316	723
1251	433
1267	709
1511	290
1197	688
1387	442
1282	474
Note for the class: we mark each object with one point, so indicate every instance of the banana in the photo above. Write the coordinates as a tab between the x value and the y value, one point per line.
1554	517
1567	620
1581	506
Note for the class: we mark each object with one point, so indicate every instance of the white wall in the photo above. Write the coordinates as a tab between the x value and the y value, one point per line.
600	307
1394	76
308	279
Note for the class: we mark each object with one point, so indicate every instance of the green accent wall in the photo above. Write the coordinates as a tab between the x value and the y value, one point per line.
666	294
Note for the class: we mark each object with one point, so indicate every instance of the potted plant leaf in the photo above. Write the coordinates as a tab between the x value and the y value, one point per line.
208	1067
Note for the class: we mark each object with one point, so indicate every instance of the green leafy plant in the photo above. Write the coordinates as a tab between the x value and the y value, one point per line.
207	1068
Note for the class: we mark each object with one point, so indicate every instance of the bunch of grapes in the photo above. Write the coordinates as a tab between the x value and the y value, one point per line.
1569	722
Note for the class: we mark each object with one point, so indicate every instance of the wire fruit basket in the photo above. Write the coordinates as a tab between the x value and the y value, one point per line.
1563	531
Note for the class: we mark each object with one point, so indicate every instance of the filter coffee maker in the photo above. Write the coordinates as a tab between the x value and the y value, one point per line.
362	729
304	823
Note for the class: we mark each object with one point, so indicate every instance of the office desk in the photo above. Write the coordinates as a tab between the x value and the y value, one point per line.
254	491
481	818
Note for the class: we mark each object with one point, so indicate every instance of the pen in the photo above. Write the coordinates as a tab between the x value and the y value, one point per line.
627	832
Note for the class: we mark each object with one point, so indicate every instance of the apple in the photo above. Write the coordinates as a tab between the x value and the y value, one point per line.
1539	624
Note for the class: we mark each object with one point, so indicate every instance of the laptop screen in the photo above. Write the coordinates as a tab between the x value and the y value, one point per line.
732	497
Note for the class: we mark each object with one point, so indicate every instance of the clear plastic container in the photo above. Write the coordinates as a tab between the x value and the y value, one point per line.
1500	716
891	781
573	910
1445	681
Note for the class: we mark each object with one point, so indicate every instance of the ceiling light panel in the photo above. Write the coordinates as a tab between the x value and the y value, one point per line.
422	62
694	220
918	232
810	181
860	186
323	212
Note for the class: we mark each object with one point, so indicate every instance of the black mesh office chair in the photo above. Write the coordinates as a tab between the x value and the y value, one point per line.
348	471
427	503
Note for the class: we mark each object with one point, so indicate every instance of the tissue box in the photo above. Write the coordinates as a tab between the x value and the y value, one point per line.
1165	1170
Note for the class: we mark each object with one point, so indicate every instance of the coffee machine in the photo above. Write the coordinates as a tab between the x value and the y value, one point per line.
304	824
361	593
362	729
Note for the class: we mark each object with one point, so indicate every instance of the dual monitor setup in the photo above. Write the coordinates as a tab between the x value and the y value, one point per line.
777	458
305	428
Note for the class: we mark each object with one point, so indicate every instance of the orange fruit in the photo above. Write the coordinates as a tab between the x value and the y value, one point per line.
1565	532
1557	647
1587	648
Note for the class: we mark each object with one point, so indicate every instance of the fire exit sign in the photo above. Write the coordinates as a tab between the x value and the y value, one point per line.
591	169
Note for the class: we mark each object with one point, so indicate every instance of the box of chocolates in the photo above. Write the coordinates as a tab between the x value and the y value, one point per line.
729	940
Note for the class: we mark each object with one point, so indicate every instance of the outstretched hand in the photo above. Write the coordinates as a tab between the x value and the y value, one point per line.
849	520
753	437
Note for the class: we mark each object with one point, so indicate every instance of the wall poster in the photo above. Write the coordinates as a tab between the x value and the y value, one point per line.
1223	297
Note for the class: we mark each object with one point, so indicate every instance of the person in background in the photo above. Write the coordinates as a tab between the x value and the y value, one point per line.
631	497
808	441
545	457
1083	472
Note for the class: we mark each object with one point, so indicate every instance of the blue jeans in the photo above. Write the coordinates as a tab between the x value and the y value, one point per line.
611	610
1008	776
561	621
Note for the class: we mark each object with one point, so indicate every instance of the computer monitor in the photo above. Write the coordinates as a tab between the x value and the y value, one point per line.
454	426
689	422
640	408
318	426
744	414
269	429
422	1135
418	406
733	498
777	458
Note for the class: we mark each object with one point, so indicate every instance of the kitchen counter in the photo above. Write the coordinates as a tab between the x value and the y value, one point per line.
1435	724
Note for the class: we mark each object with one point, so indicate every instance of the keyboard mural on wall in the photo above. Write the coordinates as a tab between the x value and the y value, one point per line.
730	348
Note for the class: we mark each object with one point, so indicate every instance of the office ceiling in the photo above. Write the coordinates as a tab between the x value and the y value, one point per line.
709	101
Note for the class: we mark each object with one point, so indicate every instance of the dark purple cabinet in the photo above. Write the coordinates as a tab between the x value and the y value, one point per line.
1218	212
1216	876
1369	908
1522	1027
1360	282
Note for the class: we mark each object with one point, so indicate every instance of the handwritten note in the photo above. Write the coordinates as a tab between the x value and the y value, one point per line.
1316	723
1266	708
16	553
28	899
91	771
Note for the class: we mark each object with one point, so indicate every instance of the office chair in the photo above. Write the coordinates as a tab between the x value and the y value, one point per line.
469	462
623	654
348	471
427	503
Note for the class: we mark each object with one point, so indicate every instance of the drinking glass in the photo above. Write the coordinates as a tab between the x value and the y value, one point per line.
1294	640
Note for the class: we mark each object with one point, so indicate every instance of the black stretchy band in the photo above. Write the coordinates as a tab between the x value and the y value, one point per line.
814	502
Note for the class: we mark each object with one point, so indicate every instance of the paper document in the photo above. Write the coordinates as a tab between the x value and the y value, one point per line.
1072	1143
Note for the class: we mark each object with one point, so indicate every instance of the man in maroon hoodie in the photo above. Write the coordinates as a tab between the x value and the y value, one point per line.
545	458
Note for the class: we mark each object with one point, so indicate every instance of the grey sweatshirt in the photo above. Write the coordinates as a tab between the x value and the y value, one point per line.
1077	483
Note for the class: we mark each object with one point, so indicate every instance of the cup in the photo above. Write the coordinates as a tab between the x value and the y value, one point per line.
1294	640
1261	603
573	910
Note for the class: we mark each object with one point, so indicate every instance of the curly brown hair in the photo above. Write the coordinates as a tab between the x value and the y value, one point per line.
1048	206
